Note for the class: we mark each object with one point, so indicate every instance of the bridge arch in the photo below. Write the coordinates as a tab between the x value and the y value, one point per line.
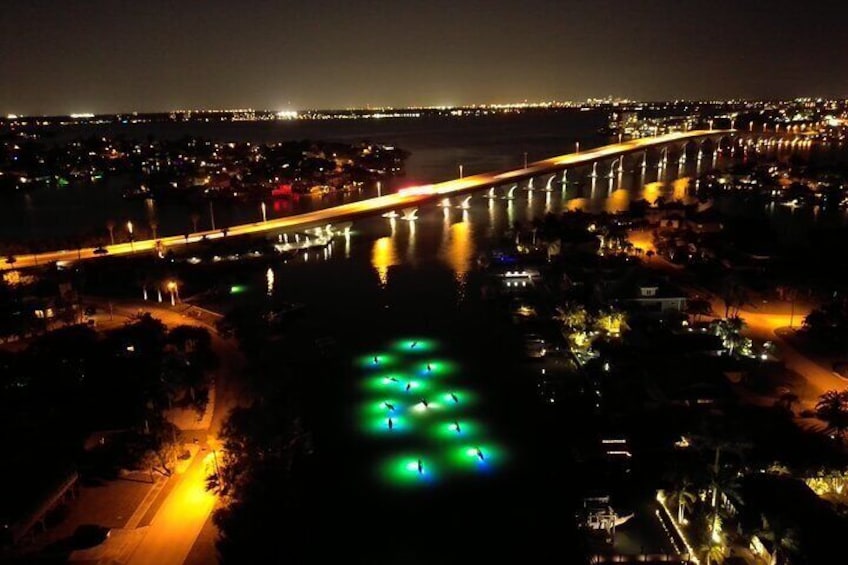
619	160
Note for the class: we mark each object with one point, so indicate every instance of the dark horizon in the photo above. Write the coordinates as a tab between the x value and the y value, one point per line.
528	105
106	57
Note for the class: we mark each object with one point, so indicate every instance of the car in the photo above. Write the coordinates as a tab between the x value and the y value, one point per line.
535	348
89	535
525	311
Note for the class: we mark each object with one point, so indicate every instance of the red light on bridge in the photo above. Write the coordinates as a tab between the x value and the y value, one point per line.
282	191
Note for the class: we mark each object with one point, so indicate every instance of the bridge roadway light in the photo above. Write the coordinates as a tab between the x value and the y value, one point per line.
264	216
460	171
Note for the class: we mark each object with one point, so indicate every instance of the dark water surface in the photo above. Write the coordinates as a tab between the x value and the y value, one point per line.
438	146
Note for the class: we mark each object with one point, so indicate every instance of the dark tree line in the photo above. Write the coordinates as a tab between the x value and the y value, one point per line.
267	476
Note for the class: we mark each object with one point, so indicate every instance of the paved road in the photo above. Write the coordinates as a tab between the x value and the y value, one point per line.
762	324
174	529
406	198
181	517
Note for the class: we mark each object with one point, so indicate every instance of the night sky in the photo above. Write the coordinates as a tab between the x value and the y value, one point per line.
68	56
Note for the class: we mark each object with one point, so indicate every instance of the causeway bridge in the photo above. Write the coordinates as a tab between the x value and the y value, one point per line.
609	158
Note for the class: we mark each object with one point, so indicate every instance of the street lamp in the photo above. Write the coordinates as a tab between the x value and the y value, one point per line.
460	171
132	238
525	159
264	217
379	189
711	124
174	290
577	147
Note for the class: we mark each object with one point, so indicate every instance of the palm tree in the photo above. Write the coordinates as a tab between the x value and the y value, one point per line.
714	552
832	409
685	497
783	538
787	401
699	307
718	439
735	324
734	296
734	341
573	315
110	225
730	330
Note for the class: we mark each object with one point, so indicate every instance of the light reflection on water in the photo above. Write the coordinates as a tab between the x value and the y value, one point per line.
618	201
455	238
458	249
383	256
447	238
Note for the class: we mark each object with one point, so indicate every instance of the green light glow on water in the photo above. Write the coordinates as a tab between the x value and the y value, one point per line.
386	425
411	395
457	399
238	289
426	409
434	368
385	406
403	470
466	457
413	346
446	430
377	360
396	383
